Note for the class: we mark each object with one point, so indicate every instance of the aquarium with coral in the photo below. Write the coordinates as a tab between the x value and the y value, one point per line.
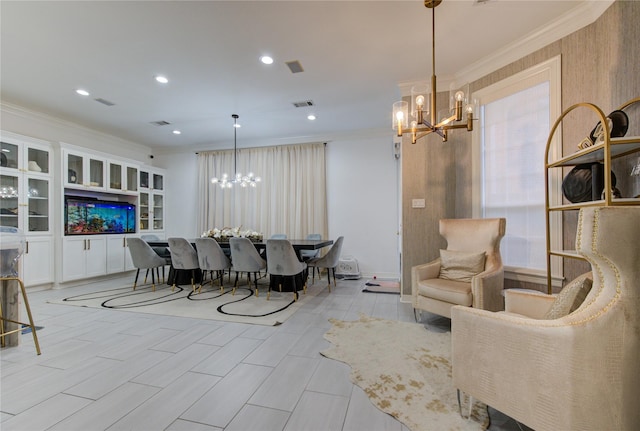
85	216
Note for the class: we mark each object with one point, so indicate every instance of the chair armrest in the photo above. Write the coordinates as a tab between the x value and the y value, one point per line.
423	272
487	287
528	303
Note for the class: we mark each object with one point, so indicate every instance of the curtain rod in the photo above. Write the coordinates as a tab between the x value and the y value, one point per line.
268	146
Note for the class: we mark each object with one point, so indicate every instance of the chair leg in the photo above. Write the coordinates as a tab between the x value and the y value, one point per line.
146	274
2	344
135	282
255	281
460	405
153	280
193	277
235	285
334	276
329	278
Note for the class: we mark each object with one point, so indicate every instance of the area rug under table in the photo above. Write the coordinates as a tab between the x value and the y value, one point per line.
212	304
405	370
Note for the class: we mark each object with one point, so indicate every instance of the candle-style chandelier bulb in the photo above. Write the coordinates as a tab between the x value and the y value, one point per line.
423	103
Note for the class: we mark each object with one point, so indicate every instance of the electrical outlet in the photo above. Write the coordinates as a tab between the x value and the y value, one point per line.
417	203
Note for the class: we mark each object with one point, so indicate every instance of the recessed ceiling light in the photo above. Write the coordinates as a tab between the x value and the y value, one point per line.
82	92
311	117
177	132
266	59
162	79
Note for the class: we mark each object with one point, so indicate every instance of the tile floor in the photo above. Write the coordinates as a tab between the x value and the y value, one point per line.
110	370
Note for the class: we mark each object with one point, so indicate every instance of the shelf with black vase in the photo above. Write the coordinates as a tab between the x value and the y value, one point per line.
587	183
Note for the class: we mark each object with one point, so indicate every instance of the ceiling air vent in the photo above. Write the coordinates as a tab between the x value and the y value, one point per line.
104	101
294	66
160	123
303	103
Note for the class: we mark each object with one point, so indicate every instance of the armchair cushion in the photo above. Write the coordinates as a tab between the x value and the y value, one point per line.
460	265
570	297
450	291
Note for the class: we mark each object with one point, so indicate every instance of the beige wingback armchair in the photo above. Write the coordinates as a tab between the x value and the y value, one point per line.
580	371
433	292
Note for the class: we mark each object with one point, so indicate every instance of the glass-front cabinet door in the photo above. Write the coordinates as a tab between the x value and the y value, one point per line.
122	177
84	171
158	212
9	200
132	178
38	205
143	209
151	207
38	160
25	184
158	182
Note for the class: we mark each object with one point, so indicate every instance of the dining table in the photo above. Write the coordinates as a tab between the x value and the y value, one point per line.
298	245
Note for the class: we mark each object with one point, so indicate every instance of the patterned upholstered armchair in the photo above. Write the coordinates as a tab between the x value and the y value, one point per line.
579	371
469	272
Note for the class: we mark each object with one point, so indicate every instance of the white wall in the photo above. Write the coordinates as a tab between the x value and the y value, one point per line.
181	194
362	193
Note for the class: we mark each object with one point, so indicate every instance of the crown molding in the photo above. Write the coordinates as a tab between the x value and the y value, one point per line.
67	127
564	25
570	22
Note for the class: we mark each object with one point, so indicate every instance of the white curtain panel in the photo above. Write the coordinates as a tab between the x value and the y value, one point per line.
290	199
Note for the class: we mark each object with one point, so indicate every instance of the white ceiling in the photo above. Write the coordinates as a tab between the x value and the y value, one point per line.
354	55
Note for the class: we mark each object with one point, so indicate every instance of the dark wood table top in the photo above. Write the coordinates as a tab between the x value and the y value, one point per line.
298	244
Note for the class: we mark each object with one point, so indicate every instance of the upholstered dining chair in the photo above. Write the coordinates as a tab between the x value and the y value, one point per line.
183	257
310	254
282	262
469	272
245	258
329	261
143	257
211	258
163	252
575	371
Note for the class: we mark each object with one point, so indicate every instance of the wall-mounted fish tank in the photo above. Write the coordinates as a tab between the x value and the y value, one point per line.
88	216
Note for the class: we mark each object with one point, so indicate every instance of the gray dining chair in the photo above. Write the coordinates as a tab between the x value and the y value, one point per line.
282	262
211	258
310	254
143	257
245	258
184	257
329	261
163	252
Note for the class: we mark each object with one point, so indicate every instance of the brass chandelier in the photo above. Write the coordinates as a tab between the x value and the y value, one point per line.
423	105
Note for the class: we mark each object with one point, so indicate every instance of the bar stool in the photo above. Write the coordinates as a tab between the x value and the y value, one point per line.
12	245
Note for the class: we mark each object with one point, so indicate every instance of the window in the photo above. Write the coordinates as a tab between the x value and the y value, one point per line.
515	117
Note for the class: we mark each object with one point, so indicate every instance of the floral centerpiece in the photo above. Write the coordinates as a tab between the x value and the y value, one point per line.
223	235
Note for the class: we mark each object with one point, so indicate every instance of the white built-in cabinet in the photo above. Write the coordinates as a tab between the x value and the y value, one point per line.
26	201
83	257
151	203
35	178
118	256
91	174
